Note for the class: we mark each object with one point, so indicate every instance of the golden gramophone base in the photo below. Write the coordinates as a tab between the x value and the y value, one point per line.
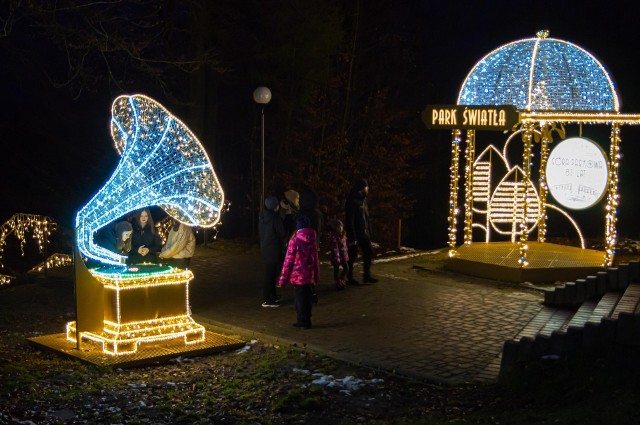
121	307
119	339
149	353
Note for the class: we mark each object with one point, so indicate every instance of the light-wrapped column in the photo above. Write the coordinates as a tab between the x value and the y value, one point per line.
611	217
453	190
469	154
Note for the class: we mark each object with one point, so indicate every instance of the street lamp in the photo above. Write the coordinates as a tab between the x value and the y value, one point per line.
262	96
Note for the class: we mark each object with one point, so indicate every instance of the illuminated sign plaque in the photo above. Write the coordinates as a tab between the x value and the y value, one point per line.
577	173
468	117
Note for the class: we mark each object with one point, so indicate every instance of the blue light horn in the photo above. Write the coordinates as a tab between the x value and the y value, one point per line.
162	164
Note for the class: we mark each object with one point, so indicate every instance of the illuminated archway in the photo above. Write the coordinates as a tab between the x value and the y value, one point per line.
551	83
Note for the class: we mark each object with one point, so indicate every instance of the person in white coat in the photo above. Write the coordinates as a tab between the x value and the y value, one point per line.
180	246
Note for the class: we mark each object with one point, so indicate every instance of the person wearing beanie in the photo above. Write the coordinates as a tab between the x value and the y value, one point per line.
116	237
289	207
358	228
271	203
272	245
310	207
301	269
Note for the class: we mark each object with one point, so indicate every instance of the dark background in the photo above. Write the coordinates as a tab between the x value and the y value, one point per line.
56	149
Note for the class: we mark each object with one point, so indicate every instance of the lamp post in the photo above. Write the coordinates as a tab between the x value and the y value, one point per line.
262	96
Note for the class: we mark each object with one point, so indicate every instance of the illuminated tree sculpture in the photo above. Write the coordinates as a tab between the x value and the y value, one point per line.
162	164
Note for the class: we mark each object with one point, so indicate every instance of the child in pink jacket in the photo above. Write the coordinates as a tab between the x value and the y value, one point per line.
302	269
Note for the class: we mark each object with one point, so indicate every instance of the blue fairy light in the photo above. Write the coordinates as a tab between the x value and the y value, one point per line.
539	74
162	164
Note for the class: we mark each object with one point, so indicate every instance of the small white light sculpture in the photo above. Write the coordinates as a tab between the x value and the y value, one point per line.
162	164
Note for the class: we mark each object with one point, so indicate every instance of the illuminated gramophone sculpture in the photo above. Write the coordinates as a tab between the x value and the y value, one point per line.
162	164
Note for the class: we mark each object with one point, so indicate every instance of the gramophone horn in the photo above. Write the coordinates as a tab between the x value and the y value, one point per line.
162	163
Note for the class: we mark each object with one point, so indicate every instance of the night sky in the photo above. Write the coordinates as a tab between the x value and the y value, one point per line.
57	150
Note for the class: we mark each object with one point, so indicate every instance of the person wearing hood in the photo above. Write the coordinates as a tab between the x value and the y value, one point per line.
309	207
289	207
272	243
301	268
116	237
180	245
358	228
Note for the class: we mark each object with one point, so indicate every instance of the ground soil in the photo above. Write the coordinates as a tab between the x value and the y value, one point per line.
265	384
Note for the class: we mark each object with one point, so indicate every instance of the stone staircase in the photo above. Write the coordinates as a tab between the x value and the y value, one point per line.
592	314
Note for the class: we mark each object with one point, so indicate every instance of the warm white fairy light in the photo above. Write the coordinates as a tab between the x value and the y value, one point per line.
611	213
527	137
162	164
509	205
20	225
469	154
55	260
453	191
544	156
119	337
551	82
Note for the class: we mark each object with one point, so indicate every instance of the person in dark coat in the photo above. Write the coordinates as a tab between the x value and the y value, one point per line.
289	207
309	207
358	228
272	245
145	240
116	237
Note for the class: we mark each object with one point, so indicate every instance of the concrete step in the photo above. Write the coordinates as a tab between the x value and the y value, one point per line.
605	307
548	320
628	302
581	316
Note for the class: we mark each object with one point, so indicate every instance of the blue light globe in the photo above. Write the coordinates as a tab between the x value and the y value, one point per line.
540	74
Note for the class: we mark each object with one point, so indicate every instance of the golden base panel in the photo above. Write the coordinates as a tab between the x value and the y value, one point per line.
547	262
122	307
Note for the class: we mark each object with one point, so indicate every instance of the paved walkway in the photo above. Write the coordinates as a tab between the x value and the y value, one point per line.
418	320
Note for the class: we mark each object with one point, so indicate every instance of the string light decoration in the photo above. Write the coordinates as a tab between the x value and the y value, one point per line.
504	205
509	202
19	225
453	191
469	154
611	210
55	260
544	156
551	83
121	334
481	187
540	73
162	164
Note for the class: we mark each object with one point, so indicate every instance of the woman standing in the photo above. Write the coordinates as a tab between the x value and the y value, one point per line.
145	241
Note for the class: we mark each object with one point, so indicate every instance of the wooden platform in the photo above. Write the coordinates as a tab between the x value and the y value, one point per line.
146	354
547	262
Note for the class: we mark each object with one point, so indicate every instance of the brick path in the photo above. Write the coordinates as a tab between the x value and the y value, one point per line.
417	321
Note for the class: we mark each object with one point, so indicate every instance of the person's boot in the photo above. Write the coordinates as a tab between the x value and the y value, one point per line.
369	279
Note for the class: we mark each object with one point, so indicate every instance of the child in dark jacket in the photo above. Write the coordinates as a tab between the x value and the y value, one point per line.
302	269
339	253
